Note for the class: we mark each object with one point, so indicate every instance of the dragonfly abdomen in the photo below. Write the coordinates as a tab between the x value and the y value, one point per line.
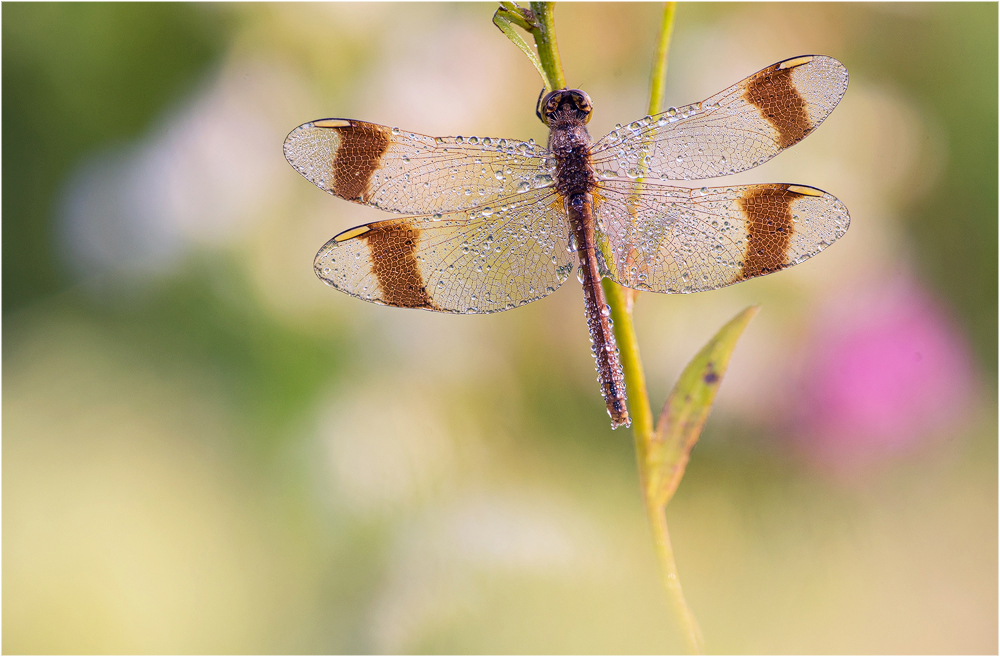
602	337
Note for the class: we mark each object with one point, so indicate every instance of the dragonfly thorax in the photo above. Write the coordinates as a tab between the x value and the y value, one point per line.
570	145
566	112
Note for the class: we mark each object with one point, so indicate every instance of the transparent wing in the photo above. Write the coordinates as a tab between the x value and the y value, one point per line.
404	172
476	261
734	130
679	240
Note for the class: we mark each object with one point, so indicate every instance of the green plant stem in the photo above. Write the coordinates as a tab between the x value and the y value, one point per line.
545	41
643	433
668	568
643	430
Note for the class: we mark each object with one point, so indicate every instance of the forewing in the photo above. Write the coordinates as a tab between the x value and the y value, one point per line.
405	172
679	240
476	261
734	130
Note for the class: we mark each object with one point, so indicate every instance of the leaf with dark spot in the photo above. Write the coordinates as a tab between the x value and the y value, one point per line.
687	408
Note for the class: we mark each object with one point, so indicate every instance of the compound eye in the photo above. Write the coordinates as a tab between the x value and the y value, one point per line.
548	106
582	104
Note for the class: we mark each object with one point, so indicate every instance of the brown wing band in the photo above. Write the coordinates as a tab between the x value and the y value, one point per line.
395	266
361	148
770	227
773	93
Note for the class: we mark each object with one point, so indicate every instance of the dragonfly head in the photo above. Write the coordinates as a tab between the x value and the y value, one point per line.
565	103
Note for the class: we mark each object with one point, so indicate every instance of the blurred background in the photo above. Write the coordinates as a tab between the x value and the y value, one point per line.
207	450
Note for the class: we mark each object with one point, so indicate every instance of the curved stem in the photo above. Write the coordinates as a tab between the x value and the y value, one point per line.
665	554
621	313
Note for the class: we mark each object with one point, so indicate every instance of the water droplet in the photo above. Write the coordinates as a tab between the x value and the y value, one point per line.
523	186
459	140
543	180
579	273
395	131
606	310
473	140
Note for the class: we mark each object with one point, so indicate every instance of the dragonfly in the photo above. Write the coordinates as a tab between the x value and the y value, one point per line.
492	224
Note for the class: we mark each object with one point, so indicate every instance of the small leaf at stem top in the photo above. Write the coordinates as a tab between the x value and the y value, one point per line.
505	18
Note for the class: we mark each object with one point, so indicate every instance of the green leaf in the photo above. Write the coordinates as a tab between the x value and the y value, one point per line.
687	408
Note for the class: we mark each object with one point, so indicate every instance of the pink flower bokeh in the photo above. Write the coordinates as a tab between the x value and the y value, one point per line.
881	374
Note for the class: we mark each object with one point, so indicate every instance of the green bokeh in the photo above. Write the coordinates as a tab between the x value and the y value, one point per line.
76	77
